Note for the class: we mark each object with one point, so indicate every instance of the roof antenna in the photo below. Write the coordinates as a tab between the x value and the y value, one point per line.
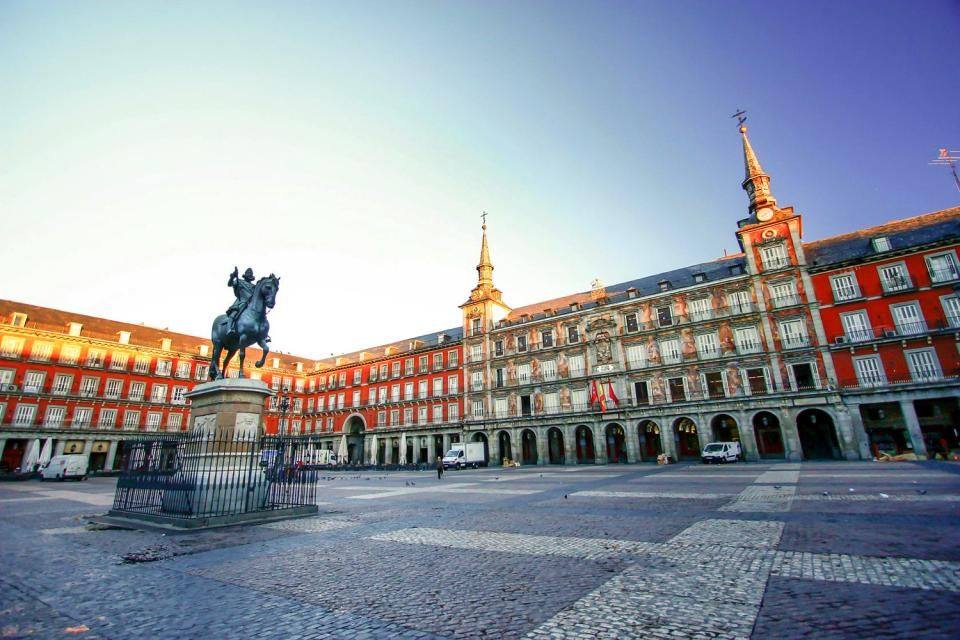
949	158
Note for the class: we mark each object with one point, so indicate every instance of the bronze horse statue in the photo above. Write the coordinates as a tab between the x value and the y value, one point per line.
251	326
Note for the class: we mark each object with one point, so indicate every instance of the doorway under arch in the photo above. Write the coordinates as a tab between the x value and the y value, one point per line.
818	435
688	442
528	442
482	437
724	428
355	429
616	444
555	451
648	432
766	428
584	439
506	451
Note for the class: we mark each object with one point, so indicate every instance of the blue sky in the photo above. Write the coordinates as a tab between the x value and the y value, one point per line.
350	147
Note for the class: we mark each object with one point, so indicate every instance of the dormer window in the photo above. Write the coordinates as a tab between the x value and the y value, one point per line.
165	344
18	319
699	277
736	270
204	349
124	337
664	285
880	244
74	329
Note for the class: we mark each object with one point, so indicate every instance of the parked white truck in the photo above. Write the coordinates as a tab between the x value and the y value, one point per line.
65	466
468	455
721	452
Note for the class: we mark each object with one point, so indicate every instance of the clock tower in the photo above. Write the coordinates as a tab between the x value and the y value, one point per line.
485	305
756	183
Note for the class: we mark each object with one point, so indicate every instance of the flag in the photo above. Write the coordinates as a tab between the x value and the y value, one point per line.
596	395
594	399
612	394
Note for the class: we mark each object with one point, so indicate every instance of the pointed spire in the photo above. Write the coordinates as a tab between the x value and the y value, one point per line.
485	268
756	182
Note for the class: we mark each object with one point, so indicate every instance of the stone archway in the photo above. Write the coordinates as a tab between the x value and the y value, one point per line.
686	438
555	451
482	437
616	444
648	432
724	428
818	435
766	427
355	428
584	439
528	448
503	439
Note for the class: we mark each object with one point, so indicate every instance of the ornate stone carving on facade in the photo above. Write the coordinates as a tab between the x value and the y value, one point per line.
603	348
598	292
601	323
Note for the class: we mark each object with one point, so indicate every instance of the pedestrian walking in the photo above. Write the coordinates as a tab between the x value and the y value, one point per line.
439	468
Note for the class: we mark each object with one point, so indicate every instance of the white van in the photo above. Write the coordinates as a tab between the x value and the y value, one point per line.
721	452
469	455
65	466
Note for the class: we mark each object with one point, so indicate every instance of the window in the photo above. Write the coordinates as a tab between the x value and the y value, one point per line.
636	356
707	345
118	361
676	389
54	416
153	421
298	405
793	334
183	369
24	414
664	285
631	322
381	417
18	320
141	364
579	399
476	382
844	287
373	373
478	408
408	367
322	402
329	424
664	316
747	339
136	391
395	369
355	400
395	393
757	381
422	389
475	326
699	309
452	359
382	395
525	405
112	389
438	361
311	403
670	351
408	391
699	278
453	385
576	365
880	244
107	418
523	373
713	383
784	294
438	413
423	364
476	353
89	386
804	376
341	399
774	256
521	343
546	338
131	419
422	415
942	267
907	319
549	370
869	371
923	364
383	371
739	302
341	379
894	277
408	416
201	371
394	416
41	351
62	384
951	309
11	347
164	367
573	334
498	348
178	395
856	326
453	412
642	392
82	417
33	381
69	354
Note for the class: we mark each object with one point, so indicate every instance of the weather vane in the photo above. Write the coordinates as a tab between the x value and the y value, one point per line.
484	216
741	116
949	158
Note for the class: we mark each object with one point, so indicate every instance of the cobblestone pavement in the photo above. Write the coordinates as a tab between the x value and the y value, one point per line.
813	550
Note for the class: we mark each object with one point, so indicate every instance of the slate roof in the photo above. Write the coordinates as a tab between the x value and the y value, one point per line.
402	346
910	232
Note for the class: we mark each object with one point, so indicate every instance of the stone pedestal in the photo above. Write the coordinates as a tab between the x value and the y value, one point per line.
231	408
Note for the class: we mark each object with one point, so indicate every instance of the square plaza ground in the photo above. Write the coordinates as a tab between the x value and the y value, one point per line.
829	550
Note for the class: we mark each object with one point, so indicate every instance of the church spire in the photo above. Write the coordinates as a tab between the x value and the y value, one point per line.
757	182
485	268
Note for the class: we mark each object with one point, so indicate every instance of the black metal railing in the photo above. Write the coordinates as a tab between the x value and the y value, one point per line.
192	475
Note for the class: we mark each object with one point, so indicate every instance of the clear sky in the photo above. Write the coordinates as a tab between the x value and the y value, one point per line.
148	147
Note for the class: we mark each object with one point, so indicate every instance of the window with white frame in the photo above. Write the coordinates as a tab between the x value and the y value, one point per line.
408	416
82	417
158	393
69	354
131	419
341	398
408	391
576	365
869	371
381	417
107	418
523	373
739	302
11	347
548	368
803	376
438	385
164	367
355	400
636	356
670	351
141	364
422	415
6	378
699	309
395	393
923	364
178	396
500	407
546	338
476	381
174	421
578	398
943	267
908	319
153	420
880	244
844	287
41	351
356	376
118	361
453	412
664	316
452	358
329	424
89	386
24	414
18	319
437	413
136	391
856	326
395	416
551	402
113	388
408	367
382	395
774	256
707	345
521	343
437	361
395	369
322	402
453	385
951	309
476	352
573	334
383	371
422	389
631	322
54	416
894	277
341	379
423	364
183	369
478	408
793	334
33	381
62	384
747	339
201	371
784	294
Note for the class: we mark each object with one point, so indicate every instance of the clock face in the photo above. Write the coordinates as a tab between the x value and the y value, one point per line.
764	214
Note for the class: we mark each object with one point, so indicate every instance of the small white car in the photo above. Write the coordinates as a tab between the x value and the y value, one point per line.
721	452
65	466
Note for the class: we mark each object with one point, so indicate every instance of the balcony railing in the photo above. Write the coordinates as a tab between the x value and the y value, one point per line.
893	285
944	275
795	342
776	262
842	294
788	300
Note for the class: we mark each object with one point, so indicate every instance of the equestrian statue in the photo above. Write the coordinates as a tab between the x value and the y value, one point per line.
245	322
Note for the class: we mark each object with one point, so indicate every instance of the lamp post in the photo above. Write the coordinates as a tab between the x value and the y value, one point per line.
284	404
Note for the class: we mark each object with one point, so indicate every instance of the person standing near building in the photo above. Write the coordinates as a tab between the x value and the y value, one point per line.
439	468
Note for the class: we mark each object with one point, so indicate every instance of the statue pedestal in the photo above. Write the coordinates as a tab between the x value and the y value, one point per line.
231	408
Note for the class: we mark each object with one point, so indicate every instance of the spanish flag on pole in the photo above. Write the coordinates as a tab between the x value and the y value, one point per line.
597	396
612	394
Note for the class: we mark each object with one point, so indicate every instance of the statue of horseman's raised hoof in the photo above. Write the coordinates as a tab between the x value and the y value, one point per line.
245	322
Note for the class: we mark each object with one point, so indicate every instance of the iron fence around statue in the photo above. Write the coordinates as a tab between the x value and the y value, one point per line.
194	476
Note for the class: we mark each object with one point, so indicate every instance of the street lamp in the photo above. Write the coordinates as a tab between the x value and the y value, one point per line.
284	404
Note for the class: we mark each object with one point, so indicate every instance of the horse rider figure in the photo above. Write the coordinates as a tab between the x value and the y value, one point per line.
243	290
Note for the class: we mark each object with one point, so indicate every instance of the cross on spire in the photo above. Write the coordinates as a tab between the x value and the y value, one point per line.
484	216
